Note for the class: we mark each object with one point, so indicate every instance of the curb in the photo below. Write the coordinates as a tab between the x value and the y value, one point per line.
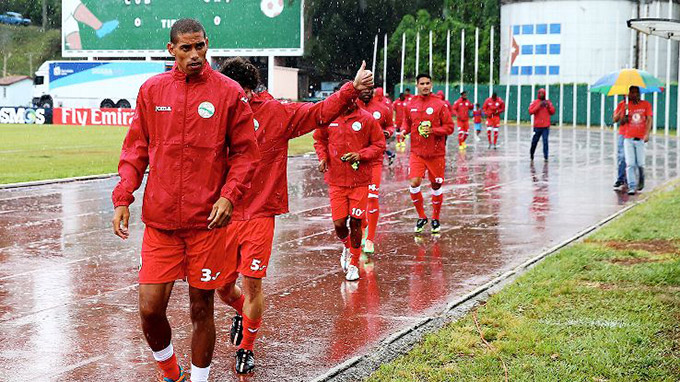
56	181
363	365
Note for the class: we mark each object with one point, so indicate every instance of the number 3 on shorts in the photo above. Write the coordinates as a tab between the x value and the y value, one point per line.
207	275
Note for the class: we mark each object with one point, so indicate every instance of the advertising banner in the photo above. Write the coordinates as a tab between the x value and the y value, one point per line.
92	117
138	28
25	115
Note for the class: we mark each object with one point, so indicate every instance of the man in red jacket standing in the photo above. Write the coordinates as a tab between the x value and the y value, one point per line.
493	107
429	122
194	129
542	109
383	115
252	224
346	151
461	108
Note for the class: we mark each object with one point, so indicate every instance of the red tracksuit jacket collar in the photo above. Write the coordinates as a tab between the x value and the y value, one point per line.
202	77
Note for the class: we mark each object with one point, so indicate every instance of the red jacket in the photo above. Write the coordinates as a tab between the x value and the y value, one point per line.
399	108
197	137
541	114
353	132
381	112
275	124
428	109
461	108
477	116
493	107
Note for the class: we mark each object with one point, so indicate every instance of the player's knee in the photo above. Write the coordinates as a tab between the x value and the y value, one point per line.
415	182
355	223
151	313
436	186
201	311
228	293
340	224
252	287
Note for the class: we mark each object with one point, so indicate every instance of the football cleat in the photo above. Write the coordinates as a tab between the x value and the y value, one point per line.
182	377
420	225
352	273
435	226
245	361
236	331
369	247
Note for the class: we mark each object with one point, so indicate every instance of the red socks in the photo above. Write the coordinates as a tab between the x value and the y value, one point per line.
488	135
170	367
417	198
495	136
372	217
250	330
238	304
461	138
356	254
437	204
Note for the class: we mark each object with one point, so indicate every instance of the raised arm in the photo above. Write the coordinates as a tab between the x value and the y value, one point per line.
306	117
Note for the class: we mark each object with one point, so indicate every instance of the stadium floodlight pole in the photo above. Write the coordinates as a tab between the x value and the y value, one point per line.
375	53
667	97
602	96
656	69
385	64
519	94
403	58
462	57
561	119
430	66
588	108
532	79
491	63
633	38
417	52
448	62
677	112
508	74
476	60
617	66
574	108
270	74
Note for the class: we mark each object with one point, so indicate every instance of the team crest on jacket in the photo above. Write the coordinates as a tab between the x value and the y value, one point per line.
377	115
356	126
257	124
206	109
429	111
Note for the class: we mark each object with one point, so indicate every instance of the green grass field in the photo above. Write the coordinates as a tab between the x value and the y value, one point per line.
606	309
29	152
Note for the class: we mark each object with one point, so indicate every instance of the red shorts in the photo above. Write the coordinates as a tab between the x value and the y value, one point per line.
494	121
192	254
435	168
348	201
376	175
251	242
463	125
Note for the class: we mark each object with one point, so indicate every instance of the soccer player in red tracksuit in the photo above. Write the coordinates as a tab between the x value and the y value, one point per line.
429	122
461	108
383	115
346	151
252	223
400	106
493	107
542	109
193	128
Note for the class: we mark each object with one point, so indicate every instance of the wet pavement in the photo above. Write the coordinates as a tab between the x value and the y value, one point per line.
68	293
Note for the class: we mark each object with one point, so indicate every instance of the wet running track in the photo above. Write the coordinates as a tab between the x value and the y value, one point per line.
68	293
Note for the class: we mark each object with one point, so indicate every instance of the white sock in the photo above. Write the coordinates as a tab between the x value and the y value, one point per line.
414	190
199	374
437	192
164	355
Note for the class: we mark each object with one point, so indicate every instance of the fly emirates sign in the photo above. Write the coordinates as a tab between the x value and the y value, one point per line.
92	117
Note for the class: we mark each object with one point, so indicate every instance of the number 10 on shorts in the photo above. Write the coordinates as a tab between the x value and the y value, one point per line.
207	275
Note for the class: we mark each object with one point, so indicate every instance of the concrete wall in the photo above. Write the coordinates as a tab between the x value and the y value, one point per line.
579	40
17	94
285	83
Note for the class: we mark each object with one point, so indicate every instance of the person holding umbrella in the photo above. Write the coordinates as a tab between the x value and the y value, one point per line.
630	114
635	117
